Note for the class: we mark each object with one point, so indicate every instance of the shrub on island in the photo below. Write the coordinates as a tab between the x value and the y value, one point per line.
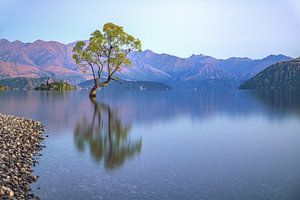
56	86
2	88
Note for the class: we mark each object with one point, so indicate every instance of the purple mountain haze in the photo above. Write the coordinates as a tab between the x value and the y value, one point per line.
54	59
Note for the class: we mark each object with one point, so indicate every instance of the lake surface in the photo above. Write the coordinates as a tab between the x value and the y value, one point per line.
164	144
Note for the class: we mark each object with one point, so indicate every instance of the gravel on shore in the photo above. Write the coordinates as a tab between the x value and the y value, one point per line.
20	143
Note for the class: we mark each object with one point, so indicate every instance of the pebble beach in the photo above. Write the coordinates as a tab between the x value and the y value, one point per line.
20	144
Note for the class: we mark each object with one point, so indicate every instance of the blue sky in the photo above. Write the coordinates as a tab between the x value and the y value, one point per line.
220	28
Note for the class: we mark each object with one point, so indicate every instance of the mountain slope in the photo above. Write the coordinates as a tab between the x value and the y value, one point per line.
245	68
39	53
282	75
205	67
38	59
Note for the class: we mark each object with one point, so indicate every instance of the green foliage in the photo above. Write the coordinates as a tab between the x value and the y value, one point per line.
106	51
57	86
2	88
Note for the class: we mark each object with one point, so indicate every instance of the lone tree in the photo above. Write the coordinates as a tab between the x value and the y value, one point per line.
105	54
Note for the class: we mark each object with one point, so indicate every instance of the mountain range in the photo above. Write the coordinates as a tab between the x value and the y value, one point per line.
53	59
280	76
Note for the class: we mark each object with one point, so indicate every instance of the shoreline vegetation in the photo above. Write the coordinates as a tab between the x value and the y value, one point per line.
20	144
3	88
56	86
51	84
44	83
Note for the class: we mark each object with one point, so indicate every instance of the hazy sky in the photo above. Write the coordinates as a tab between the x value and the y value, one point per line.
220	28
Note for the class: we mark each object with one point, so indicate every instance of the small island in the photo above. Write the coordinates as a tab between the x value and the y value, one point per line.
3	88
56	86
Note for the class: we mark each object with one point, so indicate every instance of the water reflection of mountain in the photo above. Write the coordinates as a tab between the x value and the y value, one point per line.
284	102
106	136
152	105
49	107
64	110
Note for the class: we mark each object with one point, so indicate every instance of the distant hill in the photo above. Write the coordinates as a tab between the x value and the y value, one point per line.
282	75
38	59
128	85
54	59
39	53
23	83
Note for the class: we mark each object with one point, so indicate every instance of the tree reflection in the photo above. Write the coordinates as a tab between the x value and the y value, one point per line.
106	136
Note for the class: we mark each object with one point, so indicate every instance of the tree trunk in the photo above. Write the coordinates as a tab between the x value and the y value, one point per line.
93	92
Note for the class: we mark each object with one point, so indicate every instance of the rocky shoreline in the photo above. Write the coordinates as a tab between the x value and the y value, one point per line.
20	143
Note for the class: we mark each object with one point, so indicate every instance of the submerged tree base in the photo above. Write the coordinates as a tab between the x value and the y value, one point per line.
93	92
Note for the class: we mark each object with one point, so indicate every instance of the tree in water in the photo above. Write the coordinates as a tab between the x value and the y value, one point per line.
106	136
106	53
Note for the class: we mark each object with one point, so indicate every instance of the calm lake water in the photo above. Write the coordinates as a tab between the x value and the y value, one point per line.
165	144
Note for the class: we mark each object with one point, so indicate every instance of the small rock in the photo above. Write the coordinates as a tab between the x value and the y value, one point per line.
11	194
20	143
